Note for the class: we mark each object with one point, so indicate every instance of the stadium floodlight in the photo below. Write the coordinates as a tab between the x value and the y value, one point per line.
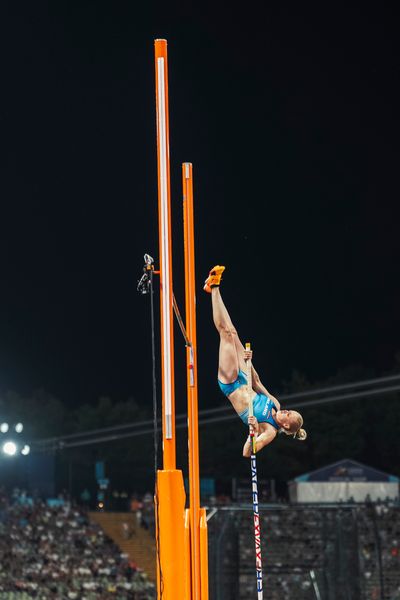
9	448
25	450
19	428
4	427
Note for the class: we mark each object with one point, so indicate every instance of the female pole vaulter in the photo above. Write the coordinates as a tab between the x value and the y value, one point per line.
268	419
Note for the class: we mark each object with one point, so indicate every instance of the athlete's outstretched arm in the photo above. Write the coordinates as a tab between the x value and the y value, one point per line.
259	388
262	439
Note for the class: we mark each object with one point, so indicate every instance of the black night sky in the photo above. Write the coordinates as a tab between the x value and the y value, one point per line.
291	119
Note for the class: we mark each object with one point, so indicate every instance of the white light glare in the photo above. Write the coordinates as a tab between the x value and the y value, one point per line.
19	427
25	450
9	448
4	427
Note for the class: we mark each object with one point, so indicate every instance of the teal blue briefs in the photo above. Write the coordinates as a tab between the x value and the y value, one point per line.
228	388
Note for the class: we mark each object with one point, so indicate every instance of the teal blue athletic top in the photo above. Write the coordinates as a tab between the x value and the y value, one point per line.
262	404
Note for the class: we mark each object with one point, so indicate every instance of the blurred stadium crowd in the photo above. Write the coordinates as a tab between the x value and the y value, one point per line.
50	549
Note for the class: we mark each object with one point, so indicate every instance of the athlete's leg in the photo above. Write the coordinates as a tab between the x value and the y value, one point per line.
230	348
221	317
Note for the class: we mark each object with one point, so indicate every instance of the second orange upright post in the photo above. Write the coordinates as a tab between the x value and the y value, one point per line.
199	587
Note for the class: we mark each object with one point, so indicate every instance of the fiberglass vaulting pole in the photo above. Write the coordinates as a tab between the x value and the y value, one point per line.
254	487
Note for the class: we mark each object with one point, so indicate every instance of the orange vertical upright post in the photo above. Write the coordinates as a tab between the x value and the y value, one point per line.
170	494
191	361
165	250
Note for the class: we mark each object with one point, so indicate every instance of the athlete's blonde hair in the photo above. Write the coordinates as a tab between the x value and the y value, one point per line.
301	435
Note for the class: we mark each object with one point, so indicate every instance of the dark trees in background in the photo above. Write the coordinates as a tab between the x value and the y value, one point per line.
365	430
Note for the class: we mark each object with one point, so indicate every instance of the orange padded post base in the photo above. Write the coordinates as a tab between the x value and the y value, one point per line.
171	542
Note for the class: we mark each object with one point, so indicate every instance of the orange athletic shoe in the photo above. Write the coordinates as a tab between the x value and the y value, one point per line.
214	278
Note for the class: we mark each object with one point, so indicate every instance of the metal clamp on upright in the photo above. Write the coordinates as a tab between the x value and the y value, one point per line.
144	283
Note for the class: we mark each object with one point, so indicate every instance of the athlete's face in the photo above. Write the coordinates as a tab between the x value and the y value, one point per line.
290	419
